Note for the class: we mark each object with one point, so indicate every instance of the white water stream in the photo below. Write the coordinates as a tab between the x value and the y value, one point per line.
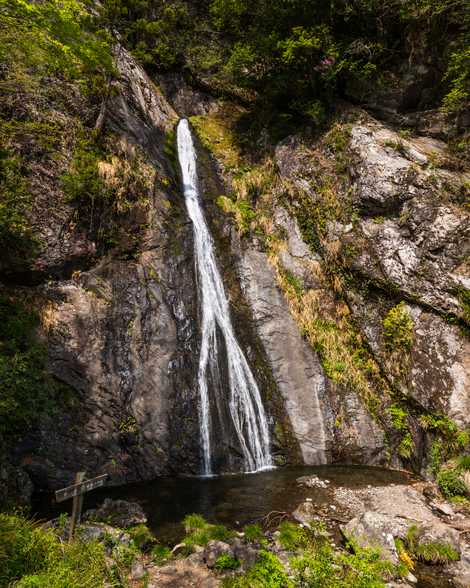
243	397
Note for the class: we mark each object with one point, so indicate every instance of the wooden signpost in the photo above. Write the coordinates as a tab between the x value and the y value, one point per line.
76	491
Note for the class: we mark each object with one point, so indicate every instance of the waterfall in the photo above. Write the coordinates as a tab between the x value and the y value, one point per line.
241	396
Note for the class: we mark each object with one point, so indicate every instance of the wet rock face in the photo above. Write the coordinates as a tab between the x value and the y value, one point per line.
295	367
312	402
122	334
407	240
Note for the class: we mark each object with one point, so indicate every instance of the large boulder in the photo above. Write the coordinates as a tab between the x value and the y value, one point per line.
383	514
373	529
119	513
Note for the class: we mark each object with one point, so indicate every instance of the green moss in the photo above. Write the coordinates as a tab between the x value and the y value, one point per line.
170	149
398	328
216	135
226	562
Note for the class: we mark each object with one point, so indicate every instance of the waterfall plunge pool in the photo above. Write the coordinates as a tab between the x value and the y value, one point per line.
233	500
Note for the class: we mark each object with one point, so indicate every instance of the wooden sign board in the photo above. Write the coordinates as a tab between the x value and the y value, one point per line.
80	488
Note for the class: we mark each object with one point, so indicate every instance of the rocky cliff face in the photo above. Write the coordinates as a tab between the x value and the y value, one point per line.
121	333
353	255
349	283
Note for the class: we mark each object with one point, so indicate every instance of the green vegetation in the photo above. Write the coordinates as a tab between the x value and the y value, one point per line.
435	552
31	556
398	328
323	568
292	536
254	534
464	297
316	564
54	37
107	181
17	240
226	562
200	532
268	572
141	536
292	283
28	391
294	58
160	554
451	484
241	210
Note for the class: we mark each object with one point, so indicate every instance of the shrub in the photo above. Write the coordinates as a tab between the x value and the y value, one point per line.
398	328
226	562
451	484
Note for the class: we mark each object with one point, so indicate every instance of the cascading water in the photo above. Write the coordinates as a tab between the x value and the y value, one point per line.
245	409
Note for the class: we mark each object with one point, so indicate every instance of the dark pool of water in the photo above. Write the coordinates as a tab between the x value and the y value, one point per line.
236	500
233	500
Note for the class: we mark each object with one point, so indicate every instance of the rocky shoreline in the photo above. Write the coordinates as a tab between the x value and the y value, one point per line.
409	528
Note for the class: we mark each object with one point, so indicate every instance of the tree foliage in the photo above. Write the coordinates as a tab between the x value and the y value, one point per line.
292	53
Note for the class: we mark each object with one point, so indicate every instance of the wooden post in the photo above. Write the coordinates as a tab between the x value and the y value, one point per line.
76	491
77	506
